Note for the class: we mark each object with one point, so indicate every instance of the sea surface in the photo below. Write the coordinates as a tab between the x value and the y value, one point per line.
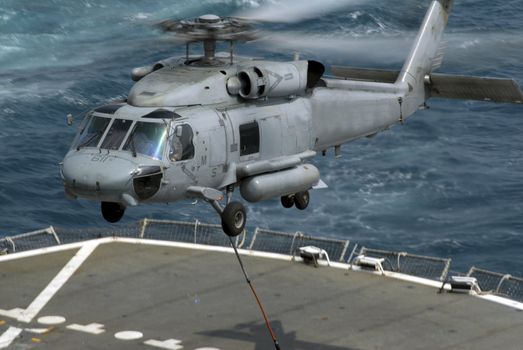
448	183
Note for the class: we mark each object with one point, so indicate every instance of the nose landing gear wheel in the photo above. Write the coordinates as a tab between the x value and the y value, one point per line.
301	200
112	212
287	201
233	219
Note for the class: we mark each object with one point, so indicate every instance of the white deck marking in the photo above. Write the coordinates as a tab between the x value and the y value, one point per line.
502	300
92	328
13	313
193	246
51	320
7	338
207	349
60	279
128	335
169	344
53	249
37	330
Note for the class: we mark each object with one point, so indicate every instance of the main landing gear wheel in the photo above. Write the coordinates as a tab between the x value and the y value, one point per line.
301	200
112	212
233	219
287	201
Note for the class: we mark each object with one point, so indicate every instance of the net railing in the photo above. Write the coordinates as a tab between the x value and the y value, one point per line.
31	240
188	232
410	264
498	284
68	235
288	243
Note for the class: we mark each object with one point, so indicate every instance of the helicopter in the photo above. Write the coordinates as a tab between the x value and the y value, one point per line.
203	126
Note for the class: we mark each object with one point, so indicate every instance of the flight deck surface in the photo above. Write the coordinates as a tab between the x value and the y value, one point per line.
120	295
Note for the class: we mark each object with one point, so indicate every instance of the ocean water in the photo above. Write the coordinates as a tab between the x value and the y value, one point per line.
447	183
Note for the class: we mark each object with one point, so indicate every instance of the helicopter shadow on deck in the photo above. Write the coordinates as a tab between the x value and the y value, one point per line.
257	333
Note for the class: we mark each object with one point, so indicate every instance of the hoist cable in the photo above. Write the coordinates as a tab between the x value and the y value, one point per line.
267	323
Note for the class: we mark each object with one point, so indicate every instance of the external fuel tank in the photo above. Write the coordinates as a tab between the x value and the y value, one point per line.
279	183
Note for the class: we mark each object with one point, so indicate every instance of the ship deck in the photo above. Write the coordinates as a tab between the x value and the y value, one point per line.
125	294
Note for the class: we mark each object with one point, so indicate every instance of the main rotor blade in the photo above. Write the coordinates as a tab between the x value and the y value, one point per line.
389	51
378	49
290	11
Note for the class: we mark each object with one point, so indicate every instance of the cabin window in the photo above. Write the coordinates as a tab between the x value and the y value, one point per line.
182	146
249	138
92	132
148	139
116	134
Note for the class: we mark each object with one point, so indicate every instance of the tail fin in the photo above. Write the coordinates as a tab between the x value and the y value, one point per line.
425	50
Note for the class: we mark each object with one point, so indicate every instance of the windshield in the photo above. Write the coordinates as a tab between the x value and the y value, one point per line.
147	138
93	132
116	134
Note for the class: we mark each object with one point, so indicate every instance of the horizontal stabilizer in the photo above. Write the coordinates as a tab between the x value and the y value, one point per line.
320	185
445	85
475	88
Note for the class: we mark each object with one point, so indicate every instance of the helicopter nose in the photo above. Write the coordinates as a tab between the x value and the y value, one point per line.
98	176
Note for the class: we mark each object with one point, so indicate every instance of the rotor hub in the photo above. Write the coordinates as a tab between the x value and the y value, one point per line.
210	27
210	18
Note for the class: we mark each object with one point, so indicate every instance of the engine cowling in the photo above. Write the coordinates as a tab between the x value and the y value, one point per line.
270	79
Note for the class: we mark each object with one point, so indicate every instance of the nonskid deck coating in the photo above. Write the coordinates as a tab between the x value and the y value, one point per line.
192	299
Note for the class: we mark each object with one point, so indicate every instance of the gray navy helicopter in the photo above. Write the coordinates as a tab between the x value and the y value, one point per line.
201	127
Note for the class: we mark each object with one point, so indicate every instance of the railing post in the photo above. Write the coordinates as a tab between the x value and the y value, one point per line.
362	250
345	247
12	243
196	230
297	234
470	271
400	254
446	270
254	238
51	231
142	228
503	279
351	255
242	242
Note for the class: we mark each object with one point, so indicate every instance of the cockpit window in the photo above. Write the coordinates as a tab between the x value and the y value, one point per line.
148	139
116	134
93	132
108	109
182	147
162	114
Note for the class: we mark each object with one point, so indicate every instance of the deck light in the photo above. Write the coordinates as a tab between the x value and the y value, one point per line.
313	254
368	262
